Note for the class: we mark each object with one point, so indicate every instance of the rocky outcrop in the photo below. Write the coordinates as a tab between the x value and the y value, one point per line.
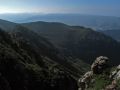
115	77
85	80
100	64
116	73
112	86
100	76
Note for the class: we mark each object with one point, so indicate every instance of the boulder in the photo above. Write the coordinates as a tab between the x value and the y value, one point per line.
100	64
85	80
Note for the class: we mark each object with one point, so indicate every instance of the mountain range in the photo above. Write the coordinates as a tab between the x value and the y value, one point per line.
29	61
95	22
49	55
80	42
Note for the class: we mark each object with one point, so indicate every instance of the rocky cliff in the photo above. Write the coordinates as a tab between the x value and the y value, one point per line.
103	76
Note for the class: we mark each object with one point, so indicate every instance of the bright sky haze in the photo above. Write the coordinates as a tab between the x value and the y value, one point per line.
95	7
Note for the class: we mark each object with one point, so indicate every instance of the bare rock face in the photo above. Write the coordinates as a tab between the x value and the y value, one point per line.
97	67
112	86
85	80
101	73
116	73
115	76
100	64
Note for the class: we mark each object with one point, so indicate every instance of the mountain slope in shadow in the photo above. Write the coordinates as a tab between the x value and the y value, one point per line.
113	33
83	43
25	66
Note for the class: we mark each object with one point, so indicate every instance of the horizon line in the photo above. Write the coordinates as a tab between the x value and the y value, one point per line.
41	13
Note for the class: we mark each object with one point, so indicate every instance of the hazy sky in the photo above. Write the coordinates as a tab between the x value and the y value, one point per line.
99	7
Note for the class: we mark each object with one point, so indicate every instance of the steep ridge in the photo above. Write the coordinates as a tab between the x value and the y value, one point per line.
36	41
43	46
77	41
23	67
7	25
